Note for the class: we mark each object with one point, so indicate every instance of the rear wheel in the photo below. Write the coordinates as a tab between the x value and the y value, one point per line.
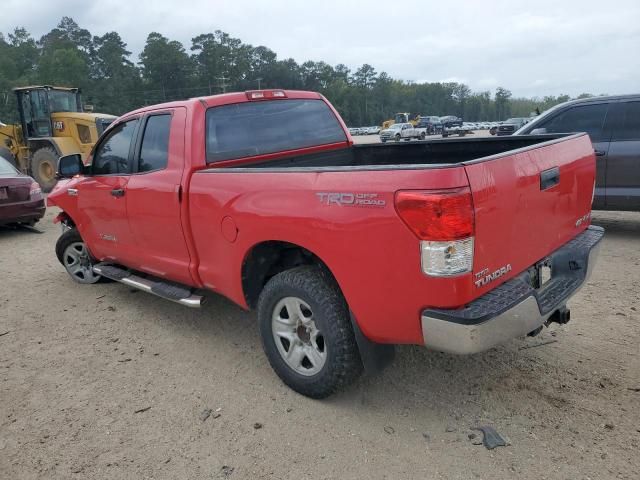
306	332
43	168
74	256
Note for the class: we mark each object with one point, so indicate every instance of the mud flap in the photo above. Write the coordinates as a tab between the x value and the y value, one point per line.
375	356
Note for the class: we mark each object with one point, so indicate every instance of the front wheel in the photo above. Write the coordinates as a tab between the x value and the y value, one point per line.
74	256
398	138
306	332
43	168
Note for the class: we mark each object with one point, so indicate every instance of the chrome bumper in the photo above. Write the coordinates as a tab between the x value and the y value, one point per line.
514	308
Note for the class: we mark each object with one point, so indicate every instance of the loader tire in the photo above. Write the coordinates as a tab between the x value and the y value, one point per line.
43	168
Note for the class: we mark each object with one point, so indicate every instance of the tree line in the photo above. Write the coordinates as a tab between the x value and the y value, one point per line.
216	62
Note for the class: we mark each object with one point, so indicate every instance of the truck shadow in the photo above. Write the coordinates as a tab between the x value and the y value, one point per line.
621	225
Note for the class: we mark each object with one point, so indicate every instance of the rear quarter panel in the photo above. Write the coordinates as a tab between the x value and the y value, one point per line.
372	254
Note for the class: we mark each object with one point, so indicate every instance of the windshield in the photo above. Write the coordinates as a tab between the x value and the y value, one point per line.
62	101
395	126
6	168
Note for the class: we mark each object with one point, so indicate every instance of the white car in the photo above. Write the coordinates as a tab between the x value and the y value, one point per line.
402	131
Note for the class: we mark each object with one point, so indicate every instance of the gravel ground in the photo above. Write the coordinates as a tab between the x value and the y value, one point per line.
104	382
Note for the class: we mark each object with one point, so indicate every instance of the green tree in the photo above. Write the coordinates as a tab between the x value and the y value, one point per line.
166	69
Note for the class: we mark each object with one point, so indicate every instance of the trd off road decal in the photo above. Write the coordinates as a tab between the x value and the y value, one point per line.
346	199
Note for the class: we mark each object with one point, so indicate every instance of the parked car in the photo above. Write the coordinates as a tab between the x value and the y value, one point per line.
451	121
402	131
510	125
613	123
354	131
374	130
21	200
431	124
342	249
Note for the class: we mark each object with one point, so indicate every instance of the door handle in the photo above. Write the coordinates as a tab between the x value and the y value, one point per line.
600	153
549	178
117	192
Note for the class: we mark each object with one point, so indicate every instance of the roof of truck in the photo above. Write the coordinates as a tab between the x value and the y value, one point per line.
48	87
230	98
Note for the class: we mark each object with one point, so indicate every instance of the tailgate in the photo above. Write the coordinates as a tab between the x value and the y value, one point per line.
527	204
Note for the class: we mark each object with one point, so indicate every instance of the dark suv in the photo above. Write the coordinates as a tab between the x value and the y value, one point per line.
613	123
511	125
431	123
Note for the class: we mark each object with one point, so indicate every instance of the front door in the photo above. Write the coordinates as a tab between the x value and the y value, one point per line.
154	205
102	197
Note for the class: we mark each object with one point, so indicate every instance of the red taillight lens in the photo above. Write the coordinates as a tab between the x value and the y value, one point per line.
437	215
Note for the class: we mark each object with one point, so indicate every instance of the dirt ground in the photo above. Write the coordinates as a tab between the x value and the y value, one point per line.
102	382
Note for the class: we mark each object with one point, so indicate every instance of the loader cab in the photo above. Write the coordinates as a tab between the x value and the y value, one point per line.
36	104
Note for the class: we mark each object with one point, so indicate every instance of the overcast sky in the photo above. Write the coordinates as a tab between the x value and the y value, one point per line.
534	48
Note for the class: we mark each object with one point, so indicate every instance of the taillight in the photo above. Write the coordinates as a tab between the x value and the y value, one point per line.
443	220
35	192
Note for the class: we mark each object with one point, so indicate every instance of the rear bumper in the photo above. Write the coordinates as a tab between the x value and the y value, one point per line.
514	308
22	212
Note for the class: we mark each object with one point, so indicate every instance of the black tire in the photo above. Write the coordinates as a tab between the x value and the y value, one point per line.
65	241
8	155
383	140
330	314
398	138
422	136
44	163
445	135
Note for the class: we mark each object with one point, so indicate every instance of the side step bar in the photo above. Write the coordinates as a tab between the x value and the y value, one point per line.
168	291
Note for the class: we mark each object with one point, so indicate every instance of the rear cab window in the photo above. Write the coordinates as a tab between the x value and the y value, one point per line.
257	128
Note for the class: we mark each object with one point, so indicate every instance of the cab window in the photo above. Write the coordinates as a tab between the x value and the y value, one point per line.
154	152
629	123
255	128
585	118
112	155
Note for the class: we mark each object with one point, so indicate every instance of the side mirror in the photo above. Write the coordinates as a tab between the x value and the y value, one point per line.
69	166
538	131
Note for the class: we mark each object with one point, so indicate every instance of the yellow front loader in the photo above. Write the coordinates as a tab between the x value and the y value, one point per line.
404	117
52	124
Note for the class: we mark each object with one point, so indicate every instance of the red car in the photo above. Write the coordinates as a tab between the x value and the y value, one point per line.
343	249
21	200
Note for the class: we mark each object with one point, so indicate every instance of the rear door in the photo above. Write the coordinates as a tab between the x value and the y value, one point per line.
623	160
154	196
101	197
529	203
590	118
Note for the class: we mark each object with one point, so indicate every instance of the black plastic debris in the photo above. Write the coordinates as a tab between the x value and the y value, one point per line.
491	439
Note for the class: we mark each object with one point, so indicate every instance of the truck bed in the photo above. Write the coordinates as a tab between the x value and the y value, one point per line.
438	152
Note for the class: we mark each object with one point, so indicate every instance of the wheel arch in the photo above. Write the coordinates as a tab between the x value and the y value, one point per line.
270	257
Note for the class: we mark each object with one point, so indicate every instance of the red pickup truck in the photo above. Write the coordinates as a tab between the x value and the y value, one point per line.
343	249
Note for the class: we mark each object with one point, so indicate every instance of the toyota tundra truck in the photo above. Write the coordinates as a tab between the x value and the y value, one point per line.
344	250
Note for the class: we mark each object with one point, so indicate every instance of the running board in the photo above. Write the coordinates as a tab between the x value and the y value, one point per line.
168	291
